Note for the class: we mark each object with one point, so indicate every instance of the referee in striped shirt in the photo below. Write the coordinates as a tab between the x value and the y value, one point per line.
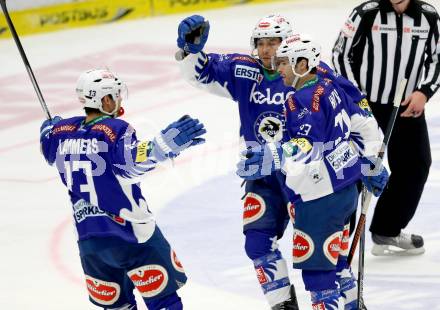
381	43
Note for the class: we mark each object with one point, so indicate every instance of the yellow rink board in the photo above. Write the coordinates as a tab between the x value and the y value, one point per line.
163	7
95	12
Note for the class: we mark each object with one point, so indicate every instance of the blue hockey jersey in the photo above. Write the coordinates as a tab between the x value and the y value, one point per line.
100	163
260	96
323	123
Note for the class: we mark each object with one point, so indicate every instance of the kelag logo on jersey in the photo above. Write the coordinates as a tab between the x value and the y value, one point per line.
267	97
269	127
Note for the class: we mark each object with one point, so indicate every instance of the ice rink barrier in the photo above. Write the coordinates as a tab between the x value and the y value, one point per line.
61	16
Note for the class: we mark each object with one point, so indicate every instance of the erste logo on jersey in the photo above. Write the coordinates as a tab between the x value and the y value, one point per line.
269	127
303	246
267	97
249	73
254	208
332	247
103	292
150	280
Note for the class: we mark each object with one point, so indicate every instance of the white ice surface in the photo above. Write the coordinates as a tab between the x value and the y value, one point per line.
197	202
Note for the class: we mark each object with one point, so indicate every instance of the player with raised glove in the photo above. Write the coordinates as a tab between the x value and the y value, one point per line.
47	126
102	162
193	33
375	182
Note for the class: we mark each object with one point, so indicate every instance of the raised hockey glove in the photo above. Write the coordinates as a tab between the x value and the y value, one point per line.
178	136
374	181
260	162
193	33
47	126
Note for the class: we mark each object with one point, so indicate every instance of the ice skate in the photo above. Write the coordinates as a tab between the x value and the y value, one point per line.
402	245
290	304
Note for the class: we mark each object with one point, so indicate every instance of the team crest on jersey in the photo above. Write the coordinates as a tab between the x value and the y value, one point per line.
332	247
103	292
150	280
249	73
269	127
303	246
254	208
176	262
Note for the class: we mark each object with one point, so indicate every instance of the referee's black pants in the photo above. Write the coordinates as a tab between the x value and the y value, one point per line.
409	158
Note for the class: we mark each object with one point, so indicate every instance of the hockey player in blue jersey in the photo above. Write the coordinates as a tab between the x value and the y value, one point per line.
252	82
331	140
100	161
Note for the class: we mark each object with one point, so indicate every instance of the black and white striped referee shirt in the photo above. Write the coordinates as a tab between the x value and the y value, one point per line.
377	48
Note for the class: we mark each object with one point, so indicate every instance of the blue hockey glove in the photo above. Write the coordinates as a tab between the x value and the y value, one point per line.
375	183
178	136
259	163
47	126
193	33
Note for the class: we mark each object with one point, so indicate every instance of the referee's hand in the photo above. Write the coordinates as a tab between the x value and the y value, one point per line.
416	104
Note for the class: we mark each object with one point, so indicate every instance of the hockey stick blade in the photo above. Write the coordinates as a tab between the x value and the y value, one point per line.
25	60
377	166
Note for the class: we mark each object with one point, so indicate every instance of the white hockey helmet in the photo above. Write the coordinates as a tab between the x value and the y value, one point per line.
271	26
93	85
300	46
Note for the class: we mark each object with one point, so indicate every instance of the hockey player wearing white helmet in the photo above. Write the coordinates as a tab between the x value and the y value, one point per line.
252	82
101	161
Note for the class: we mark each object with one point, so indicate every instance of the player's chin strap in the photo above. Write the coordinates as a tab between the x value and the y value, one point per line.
298	76
254	55
117	111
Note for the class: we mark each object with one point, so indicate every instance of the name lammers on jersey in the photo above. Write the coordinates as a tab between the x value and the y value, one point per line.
78	146
267	97
83	209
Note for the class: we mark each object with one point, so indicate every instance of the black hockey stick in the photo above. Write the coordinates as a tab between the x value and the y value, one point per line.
367	195
25	60
377	166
